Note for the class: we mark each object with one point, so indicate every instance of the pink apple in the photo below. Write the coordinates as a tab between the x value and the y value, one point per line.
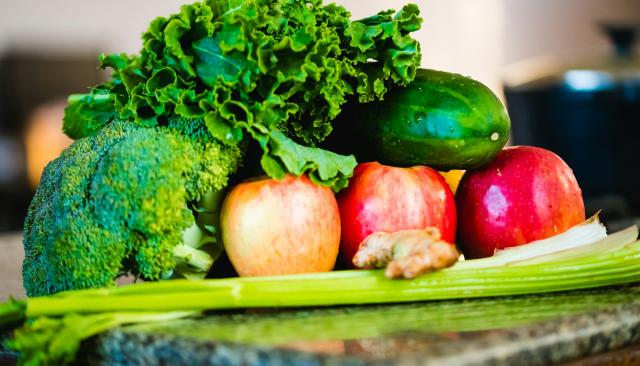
274	227
525	194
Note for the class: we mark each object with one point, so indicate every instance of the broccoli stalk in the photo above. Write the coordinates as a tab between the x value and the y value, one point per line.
201	243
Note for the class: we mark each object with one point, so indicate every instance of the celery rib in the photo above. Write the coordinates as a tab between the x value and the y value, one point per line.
351	287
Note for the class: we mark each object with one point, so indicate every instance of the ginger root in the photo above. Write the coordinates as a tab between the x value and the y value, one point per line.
406	253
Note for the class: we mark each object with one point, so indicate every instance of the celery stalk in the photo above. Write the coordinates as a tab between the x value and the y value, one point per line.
589	232
353	287
608	244
59	323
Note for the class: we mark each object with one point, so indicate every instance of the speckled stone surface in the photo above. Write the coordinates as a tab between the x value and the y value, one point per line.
11	256
516	331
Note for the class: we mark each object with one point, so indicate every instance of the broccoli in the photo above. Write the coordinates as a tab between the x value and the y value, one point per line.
120	202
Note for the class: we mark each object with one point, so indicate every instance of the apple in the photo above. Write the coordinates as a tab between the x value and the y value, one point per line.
386	198
274	227
525	194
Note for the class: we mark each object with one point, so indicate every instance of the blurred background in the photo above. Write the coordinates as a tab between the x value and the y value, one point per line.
553	62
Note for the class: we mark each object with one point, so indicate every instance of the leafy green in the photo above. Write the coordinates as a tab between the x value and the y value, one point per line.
55	341
86	114
12	312
252	67
285	156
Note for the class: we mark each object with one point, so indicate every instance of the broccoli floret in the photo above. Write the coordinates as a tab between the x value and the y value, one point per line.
121	202
215	161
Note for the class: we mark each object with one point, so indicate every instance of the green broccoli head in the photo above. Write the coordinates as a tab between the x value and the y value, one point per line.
58	230
120	202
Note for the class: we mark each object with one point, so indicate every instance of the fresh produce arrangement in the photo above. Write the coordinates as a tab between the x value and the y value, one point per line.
298	142
221	80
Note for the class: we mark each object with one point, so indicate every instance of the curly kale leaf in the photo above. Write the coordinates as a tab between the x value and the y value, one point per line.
252	67
323	167
86	114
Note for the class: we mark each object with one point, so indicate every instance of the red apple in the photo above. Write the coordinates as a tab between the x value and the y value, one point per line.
385	198
273	227
524	194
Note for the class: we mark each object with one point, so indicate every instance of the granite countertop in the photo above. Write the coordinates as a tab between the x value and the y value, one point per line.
11	255
522	330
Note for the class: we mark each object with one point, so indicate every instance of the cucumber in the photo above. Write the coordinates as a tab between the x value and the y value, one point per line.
442	120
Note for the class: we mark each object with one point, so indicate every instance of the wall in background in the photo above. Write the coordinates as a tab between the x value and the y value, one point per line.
479	38
472	37
61	26
561	27
463	36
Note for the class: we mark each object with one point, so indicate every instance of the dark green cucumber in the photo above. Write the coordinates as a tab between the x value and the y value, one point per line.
443	120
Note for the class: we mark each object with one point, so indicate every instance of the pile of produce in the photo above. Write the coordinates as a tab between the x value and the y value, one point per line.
220	85
295	141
